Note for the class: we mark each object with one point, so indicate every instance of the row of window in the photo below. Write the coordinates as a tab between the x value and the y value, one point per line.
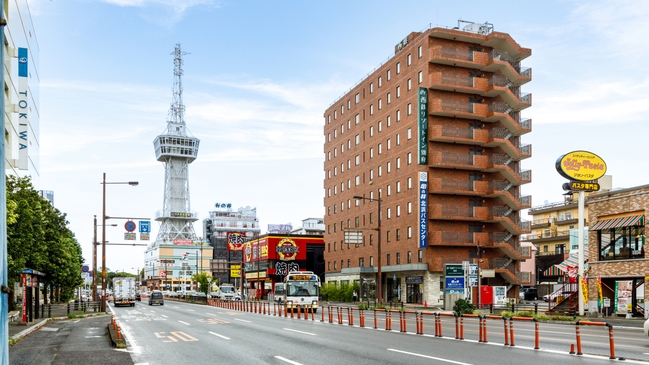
357	203
357	178
361	260
357	97
357	141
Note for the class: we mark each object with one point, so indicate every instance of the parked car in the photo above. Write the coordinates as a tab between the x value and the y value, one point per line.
529	294
138	296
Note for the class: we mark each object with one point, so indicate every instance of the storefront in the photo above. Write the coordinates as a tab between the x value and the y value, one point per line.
269	258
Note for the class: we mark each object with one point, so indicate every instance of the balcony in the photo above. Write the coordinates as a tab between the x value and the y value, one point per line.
498	189
550	236
493	61
502	215
493	112
493	40
541	223
494	163
496	137
496	85
499	85
507	269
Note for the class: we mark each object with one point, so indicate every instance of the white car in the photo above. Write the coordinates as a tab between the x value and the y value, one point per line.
646	328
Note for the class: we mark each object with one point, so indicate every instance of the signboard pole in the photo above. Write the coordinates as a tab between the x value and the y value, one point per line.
580	239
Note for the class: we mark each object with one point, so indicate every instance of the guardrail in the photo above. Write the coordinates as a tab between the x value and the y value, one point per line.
382	319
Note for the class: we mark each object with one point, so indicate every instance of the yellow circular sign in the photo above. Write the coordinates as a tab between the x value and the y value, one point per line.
581	166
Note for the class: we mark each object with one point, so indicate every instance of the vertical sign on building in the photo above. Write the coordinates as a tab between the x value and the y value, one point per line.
423	126
423	209
23	120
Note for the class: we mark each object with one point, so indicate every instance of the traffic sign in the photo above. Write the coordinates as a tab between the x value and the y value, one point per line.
85	268
129	226
129	236
145	226
454	283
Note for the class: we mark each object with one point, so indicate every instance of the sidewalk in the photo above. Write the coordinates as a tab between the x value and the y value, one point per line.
65	341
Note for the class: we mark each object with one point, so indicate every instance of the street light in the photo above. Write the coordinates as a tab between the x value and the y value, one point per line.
379	287
94	261
103	236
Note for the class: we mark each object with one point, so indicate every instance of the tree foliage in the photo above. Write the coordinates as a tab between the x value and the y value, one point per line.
38	238
202	279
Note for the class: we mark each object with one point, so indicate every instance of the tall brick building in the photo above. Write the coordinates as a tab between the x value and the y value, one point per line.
435	133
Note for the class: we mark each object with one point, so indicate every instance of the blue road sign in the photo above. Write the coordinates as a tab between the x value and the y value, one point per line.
454	283
129	226
145	226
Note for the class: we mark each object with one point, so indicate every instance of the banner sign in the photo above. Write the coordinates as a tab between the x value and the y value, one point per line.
235	241
454	283
423	126
23	107
423	209
280	228
454	270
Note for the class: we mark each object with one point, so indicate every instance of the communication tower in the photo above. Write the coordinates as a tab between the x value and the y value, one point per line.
176	149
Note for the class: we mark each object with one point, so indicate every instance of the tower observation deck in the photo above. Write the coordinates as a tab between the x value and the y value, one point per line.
176	149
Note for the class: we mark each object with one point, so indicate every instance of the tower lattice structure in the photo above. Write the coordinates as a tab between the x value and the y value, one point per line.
176	149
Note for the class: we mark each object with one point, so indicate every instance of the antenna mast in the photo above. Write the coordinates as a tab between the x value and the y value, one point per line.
177	109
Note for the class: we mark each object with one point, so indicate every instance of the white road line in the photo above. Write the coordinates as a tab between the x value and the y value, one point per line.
164	316
287	360
210	314
216	334
242	320
184	322
191	310
305	333
429	357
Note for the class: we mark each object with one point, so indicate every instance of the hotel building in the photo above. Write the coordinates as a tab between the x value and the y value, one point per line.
431	143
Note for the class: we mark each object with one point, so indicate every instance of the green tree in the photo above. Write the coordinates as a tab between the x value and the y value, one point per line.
202	279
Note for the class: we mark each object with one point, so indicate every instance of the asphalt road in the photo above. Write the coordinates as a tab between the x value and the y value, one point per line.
186	333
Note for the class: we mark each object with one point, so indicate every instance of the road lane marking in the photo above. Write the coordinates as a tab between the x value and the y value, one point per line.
183	336
164	316
287	360
305	333
191	310
216	334
429	357
161	335
242	320
184	323
213	321
210	314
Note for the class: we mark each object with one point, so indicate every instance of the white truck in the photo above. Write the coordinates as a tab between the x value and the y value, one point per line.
124	291
226	292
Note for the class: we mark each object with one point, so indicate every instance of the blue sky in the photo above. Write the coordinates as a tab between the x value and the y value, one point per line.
259	75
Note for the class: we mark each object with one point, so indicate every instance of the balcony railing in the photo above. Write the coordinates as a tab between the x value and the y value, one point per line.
451	79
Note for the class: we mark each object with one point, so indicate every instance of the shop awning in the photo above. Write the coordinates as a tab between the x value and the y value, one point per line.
553	271
634	220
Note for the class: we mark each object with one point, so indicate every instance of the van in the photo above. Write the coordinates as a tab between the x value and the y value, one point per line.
156	298
226	292
529	294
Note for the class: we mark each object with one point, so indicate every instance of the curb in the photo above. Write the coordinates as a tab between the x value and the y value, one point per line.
112	333
29	330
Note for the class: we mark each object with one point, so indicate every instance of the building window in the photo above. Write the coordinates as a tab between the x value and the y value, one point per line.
420	51
388	260
409	108
420	76
357	118
329	247
409	158
398	115
409	207
371	152
409	183
328	119
329	265
420	256
388	142
389	215
358	139
335	265
409	84
389	190
380	81
356	222
398	213
349	263
335	114
371	109
357	159
398	68
409	134
380	104
398	234
398	186
409	59
398	163
349	104
371	87
380	170
388	236
380	126
371	131
388	75
389	98
371	174
398	92
398	258
389	167
380	148
409	257
371	261
409	232
358	180
358	98
361	262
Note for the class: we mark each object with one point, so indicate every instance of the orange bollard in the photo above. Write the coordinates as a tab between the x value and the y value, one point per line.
388	320
119	333
340	315
313	313
331	315
484	328
511	332
436	325
292	310
578	334
506	333
351	316
361	317
461	328
572	349
457	327
375	320
611	341
536	334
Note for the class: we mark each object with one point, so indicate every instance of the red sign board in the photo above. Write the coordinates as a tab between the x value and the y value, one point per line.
235	241
179	241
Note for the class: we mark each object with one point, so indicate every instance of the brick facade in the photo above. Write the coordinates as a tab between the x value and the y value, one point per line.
474	161
610	205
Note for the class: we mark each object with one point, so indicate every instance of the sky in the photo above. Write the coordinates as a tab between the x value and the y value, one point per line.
258	77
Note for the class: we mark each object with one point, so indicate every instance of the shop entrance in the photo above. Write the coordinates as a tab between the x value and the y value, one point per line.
414	289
